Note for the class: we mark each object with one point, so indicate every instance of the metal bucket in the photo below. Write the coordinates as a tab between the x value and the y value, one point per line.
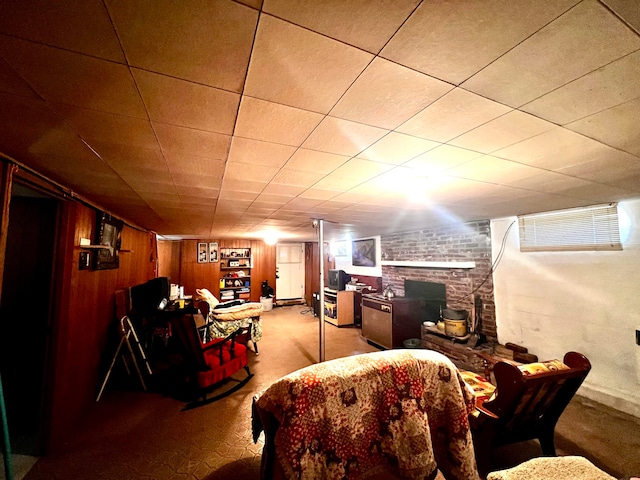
455	328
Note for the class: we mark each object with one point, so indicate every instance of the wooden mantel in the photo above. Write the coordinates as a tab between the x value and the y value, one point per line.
421	264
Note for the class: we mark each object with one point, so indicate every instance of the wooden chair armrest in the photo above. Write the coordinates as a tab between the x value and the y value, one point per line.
486	412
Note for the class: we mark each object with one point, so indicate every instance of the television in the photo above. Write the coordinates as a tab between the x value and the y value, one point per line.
108	235
432	294
338	279
146	297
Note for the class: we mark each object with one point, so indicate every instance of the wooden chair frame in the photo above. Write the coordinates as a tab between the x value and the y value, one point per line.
203	373
525	407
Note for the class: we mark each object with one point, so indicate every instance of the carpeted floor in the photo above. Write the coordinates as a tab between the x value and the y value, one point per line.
138	435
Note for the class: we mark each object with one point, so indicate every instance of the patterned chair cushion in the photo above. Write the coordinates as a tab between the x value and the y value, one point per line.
482	388
537	368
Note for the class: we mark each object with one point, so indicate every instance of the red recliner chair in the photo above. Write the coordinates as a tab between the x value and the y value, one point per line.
211	364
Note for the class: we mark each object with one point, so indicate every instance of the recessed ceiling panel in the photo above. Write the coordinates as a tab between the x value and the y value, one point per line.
167	37
83	27
273	122
452	115
607	87
454	40
556	55
343	137
396	148
387	94
257	152
300	68
60	76
503	131
186	104
314	161
367	25
617	126
191	141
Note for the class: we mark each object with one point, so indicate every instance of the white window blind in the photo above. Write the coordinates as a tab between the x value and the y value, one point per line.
588	228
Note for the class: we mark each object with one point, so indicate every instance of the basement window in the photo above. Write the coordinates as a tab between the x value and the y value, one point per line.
587	228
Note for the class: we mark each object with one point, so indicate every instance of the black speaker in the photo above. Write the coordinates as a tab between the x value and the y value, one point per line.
316	304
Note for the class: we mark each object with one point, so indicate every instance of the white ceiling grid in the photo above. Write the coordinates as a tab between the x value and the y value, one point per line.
221	118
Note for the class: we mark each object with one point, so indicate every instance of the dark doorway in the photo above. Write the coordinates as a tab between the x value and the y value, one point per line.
24	314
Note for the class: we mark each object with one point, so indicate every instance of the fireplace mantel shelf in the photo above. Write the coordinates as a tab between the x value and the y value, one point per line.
410	263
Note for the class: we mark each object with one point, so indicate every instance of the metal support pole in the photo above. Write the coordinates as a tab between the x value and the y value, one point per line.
321	300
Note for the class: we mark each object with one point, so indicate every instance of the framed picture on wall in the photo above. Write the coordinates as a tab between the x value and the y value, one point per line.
363	253
213	251
203	253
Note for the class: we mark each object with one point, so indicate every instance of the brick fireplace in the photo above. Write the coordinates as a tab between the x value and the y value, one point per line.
469	242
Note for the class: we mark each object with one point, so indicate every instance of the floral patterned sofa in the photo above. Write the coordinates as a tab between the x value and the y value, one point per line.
389	414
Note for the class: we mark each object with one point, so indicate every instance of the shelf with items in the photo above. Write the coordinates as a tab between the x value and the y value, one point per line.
235	274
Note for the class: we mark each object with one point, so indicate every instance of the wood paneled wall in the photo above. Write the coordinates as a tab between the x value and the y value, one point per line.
192	274
169	259
83	326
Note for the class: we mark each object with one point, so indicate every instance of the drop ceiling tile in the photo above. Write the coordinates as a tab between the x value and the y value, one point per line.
501	132
362	170
556	148
607	87
190	141
144	182
367	25
314	161
440	159
549	182
188	43
234	185
627	10
195	166
596	192
257	152
318	194
272	122
246	171
298	178
176	102
83	27
621	170
337	183
280	189
343	137
257	4
300	68
43	139
64	77
559	53
387	94
272	198
231	195
454	40
11	82
493	170
205	191
108	127
302	204
396	148
128	156
452	115
616	126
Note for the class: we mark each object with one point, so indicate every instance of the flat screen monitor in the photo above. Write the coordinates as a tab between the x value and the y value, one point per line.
433	295
338	279
146	297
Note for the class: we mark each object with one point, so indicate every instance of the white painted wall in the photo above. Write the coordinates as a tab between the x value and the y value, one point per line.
589	302
343	262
